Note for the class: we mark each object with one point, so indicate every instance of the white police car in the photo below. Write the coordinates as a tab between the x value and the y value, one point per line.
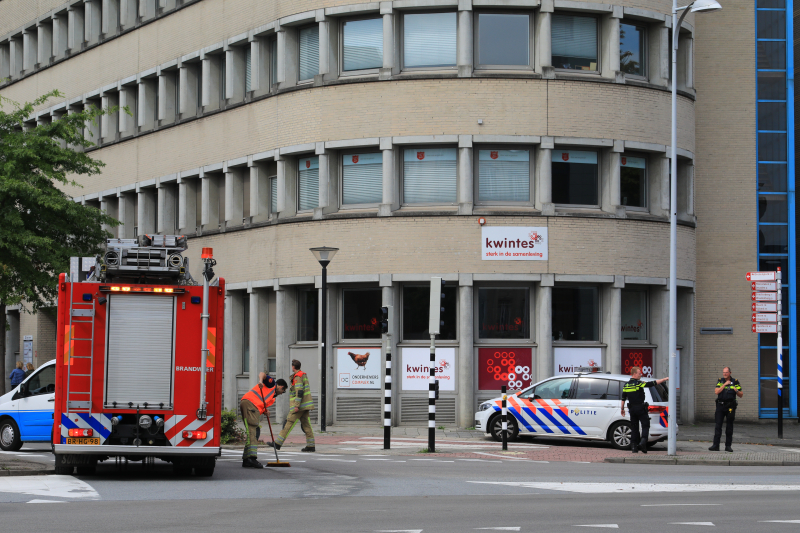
26	413
579	406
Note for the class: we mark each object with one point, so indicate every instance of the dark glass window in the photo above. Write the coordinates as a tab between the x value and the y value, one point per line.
772	177
43	381
771	339
772	86
769	363
614	388
634	315
772	263
307	306
592	389
772	116
503	313
632	181
771	54
771	25
503	39
772	208
555	389
772	147
771	3
416	310
632	49
575	314
362	44
769	393
361	313
574	177
773	239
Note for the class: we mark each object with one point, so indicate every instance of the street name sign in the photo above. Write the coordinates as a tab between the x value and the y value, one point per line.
760	276
765	328
764	285
764	307
765	296
765	317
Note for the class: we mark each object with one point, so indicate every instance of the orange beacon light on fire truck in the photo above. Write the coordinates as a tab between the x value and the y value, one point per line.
207	253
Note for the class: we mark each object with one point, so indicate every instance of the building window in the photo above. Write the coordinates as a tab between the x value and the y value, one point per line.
429	40
362	44
504	176
575	177
245	334
634	315
632	49
248	70
503	40
574	42
307	327
307	183
273	58
633	181
309	52
503	313
576	313
416	310
429	175
362	178
361	310
273	194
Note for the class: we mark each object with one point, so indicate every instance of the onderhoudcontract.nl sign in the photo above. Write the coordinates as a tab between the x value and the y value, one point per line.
507	243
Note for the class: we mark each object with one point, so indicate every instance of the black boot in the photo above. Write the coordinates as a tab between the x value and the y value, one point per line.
251	462
308	449
714	448
643	446
273	445
728	449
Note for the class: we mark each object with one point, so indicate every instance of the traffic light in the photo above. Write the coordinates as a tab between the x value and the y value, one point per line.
435	321
441	309
436	388
384	320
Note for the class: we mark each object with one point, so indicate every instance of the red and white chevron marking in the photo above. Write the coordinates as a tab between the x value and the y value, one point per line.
175	425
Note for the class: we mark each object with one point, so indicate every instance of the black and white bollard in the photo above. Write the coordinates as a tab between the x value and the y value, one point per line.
387	393
432	400
504	418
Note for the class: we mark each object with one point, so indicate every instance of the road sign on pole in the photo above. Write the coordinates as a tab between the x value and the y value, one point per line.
762	327
765	317
764	296
761	276
764	286
764	307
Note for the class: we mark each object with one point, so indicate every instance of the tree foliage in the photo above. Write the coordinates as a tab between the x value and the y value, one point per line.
41	226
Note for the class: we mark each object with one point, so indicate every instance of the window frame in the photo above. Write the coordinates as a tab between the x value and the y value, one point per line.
596	18
646	178
523	342
269	205
299	30
401	171
298	157
402	47
350	152
476	40
644	52
340	328
360	72
599	176
598	310
298	314
476	174
402	340
646	341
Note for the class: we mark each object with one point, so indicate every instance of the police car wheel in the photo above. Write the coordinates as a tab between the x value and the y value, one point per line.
620	435
496	428
9	436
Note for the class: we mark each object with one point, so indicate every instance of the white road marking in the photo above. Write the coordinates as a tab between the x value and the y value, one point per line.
501	456
382	455
58	486
481	460
398	531
384	459
780	521
46	501
514	528
616	488
692	523
435	459
677	504
609	526
340	460
33	455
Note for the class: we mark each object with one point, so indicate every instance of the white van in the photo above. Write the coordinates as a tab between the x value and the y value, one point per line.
579	406
26	413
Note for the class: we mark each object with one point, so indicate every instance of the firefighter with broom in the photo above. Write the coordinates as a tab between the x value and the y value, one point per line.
254	404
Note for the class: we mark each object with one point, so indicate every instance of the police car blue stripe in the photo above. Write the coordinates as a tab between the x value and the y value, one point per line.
95	424
555	422
576	427
537	420
521	419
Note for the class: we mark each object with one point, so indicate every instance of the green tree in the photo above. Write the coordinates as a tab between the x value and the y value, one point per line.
41	226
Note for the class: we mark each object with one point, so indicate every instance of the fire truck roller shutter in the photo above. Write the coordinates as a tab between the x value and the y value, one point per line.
140	349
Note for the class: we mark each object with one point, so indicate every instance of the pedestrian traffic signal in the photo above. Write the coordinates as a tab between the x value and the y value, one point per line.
441	309
384	320
436	388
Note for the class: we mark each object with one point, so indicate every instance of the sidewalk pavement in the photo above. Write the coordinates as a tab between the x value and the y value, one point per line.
746	433
11	466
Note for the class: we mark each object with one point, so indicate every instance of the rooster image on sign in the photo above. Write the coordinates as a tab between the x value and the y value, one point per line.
359	359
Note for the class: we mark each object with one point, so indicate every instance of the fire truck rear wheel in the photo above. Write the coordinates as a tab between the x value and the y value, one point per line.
204	472
9	436
180	470
87	470
61	468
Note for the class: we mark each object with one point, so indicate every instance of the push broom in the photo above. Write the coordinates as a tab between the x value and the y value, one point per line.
277	461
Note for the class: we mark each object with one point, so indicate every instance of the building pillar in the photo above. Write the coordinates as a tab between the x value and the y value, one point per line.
259	193
285	335
234	196
146	210
390	185
209	218
109	122
111	17
465	175
235	74
127	205
210	79
612	324
659	329
388	42
92	128
544	328
167	113
129	11
75	28
287	186
167	200
466	353
44	38
127	98
609	49
658	177
188	90
146	104
609	190
233	315
543	192
92	23
110	205
658	54
30	49
464	39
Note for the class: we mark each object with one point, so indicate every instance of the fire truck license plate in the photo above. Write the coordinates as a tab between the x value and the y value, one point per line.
84	440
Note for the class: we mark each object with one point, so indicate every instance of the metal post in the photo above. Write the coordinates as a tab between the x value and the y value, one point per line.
387	393
324	358
505	419
432	399
780	356
201	411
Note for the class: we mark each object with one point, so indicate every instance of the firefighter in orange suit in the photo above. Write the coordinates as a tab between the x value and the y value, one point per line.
254	404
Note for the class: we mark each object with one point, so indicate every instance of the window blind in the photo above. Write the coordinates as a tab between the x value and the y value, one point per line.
574	36
504	176
429	175
429	40
273	194
309	52
362	178
248	68
362	44
308	183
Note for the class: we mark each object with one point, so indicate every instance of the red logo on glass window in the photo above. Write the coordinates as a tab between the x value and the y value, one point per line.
420	155
565	156
493	154
355	159
624	161
518	321
308	163
374	321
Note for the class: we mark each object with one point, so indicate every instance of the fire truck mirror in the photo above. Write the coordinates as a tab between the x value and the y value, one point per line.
102	300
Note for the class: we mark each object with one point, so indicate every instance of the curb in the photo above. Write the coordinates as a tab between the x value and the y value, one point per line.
27	472
696	462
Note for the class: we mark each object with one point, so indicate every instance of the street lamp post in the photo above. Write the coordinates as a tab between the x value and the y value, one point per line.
324	255
698	6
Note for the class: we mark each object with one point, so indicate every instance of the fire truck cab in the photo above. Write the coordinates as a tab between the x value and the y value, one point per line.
138	364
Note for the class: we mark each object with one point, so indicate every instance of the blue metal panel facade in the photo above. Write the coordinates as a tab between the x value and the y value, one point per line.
776	194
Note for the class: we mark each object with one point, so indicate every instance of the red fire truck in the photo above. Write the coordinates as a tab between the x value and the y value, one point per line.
139	359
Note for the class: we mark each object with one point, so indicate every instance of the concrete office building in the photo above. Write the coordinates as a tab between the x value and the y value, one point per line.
519	149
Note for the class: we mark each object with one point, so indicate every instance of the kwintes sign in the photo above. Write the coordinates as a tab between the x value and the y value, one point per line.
511	243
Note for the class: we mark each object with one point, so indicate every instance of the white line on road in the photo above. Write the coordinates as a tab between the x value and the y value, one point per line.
340	460
398	531
514	528
677	504
616	488
609	526
385	459
501	456
781	521
46	501
481	460
692	524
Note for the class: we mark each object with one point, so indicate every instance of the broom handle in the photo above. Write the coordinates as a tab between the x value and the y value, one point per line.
273	438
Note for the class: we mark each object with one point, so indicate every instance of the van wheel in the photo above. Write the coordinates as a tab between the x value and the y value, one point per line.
61	468
620	435
496	428
9	436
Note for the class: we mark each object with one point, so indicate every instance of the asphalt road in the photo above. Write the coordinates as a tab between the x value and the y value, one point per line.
369	492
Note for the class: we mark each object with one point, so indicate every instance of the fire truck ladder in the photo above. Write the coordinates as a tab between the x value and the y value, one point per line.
79	313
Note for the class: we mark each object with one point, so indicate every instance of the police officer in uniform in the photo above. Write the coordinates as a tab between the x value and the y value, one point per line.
633	391
727	391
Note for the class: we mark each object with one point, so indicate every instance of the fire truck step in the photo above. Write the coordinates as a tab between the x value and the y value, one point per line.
81	339
78	405
82	375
